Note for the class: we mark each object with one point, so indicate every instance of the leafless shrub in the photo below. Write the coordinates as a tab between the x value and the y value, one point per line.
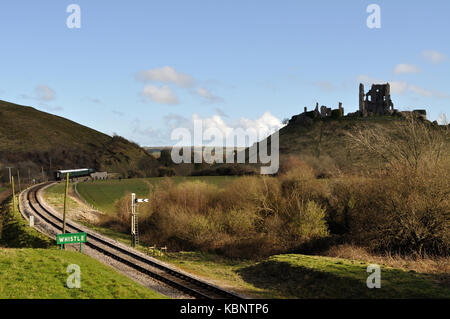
251	217
415	143
405	208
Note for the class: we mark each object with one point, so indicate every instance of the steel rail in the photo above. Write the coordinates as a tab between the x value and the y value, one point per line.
183	282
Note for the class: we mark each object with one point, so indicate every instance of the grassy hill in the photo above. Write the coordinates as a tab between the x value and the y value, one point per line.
325	145
30	139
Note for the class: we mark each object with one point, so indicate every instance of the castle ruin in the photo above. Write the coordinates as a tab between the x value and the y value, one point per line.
377	101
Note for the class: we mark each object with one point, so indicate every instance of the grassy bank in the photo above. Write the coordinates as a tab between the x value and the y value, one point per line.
42	274
302	276
15	232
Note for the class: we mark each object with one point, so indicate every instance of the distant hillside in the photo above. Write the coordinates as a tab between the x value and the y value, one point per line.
31	139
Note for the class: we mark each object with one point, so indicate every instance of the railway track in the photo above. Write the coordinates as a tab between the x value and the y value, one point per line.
51	224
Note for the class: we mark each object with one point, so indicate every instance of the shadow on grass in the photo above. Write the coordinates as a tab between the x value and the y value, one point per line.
287	280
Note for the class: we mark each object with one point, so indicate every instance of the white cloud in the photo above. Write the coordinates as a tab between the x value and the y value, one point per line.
406	68
434	56
401	87
398	87
166	74
162	95
214	121
45	93
169	76
420	91
264	126
207	95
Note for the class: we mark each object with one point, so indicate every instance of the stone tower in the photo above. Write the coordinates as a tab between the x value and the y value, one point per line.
362	104
377	101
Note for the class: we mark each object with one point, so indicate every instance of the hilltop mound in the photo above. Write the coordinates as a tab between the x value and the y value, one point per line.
325	143
31	139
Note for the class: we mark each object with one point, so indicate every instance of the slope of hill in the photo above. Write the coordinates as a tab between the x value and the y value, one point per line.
325	144
33	139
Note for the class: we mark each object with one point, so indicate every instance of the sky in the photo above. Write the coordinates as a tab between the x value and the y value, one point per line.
140	69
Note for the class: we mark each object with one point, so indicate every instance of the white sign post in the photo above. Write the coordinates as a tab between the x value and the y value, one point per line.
134	218
31	221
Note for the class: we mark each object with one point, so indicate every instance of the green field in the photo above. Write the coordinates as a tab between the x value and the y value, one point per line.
103	194
42	274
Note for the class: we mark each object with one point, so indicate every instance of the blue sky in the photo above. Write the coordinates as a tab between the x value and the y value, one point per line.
140	68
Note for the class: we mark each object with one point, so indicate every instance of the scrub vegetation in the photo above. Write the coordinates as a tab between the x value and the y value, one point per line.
400	208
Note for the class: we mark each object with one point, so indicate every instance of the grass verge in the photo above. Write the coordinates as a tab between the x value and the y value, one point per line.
15	232
39	273
42	274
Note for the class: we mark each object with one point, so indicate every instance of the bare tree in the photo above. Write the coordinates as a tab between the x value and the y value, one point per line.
415	142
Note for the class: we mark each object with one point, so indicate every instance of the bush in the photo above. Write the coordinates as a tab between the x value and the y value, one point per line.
307	222
405	212
251	217
405	207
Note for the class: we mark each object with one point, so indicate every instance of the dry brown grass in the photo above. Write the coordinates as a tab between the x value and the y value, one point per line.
427	264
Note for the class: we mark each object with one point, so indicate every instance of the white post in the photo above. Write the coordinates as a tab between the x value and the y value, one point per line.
133	207
31	221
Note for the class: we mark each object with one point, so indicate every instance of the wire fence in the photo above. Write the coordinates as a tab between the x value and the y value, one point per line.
81	197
